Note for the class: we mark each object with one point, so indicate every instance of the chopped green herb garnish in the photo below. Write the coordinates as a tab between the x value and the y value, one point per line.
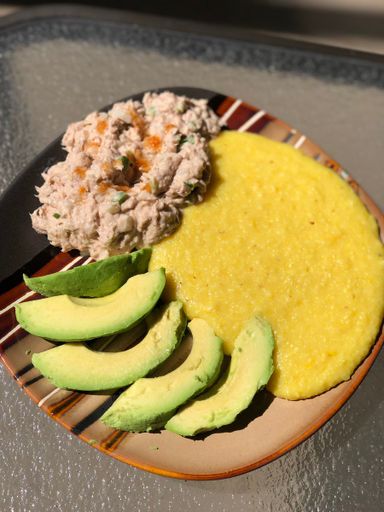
184	139
152	111
57	215
154	185
154	448
92	441
120	197
190	186
125	161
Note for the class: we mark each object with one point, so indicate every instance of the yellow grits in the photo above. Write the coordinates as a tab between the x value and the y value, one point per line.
282	236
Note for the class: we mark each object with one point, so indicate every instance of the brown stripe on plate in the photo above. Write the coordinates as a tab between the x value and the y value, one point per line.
260	124
12	295
332	164
240	116
8	319
54	265
58	409
31	266
18	288
225	105
8	322
111	442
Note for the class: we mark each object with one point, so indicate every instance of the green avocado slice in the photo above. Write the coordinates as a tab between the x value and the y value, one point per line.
75	366
93	280
250	368
150	402
66	318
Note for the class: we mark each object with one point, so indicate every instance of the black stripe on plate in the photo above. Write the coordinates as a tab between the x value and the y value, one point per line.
216	101
96	414
24	370
29	268
288	137
32	381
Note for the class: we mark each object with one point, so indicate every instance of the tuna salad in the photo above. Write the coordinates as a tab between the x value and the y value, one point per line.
128	175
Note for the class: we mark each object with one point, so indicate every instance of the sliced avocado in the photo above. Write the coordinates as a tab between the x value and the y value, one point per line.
150	402
66	318
94	280
250	368
75	366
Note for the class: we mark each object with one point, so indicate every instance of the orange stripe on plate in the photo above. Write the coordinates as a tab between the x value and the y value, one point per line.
111	442
60	408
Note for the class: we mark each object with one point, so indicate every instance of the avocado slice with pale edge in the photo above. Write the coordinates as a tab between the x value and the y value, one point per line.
150	402
93	280
67	318
250	368
75	366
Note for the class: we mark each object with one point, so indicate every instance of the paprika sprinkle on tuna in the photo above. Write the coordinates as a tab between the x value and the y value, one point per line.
101	126
80	171
103	187
127	163
147	187
82	191
168	127
153	143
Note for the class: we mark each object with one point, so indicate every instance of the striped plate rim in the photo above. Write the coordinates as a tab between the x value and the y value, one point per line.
62	405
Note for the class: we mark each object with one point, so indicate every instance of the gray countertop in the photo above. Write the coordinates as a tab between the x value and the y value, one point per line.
53	71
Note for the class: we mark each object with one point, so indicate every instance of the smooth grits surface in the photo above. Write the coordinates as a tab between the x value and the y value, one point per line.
282	236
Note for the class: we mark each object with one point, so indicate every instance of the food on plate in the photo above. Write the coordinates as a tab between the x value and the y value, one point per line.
150	402
281	236
127	176
278	241
250	369
94	280
74	366
66	318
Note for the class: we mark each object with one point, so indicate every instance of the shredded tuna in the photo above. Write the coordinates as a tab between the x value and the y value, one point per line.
127	175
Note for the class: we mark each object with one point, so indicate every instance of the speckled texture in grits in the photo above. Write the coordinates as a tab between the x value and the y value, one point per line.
53	73
281	236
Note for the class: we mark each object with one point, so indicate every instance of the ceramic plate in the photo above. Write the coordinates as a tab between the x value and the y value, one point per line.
268	429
